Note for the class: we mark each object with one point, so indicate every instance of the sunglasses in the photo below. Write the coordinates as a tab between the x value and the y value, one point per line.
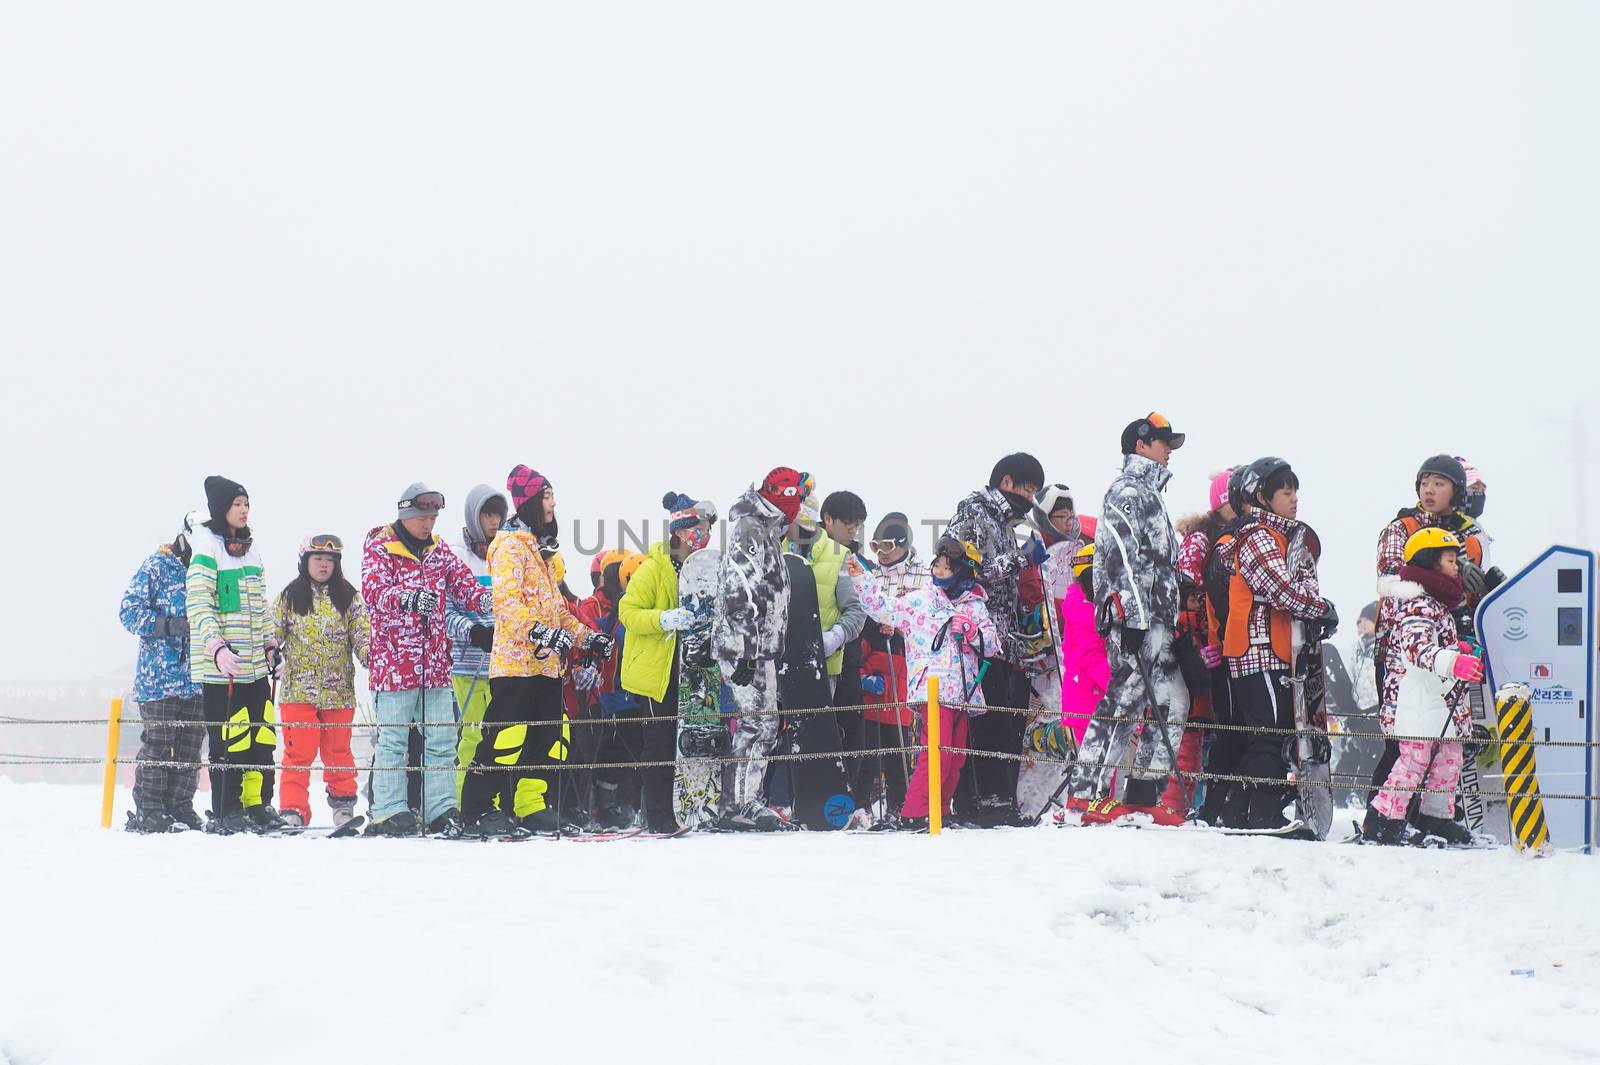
893	543
424	501
327	543
237	547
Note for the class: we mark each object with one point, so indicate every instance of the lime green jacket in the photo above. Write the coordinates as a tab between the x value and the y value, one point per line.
647	653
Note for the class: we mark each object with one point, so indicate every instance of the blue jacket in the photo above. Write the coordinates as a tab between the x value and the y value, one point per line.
157	591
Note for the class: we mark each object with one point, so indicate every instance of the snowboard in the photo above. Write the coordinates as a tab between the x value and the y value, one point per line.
1521	774
1313	753
821	789
1048	748
702	731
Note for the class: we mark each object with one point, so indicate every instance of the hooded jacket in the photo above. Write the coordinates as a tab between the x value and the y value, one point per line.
984	520
227	597
525	593
885	656
317	648
1136	548
1420	689
647	660
752	585
465	659
922	615
409	650
156	591
1085	670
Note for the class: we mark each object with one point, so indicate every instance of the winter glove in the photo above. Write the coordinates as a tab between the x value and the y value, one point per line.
1131	640
832	640
422	601
1474	580
743	673
172	628
1211	655
274	658
1493	578
482	637
873	684
964	629
1037	552
600	644
548	636
679	619
1469	668
586	678
227	662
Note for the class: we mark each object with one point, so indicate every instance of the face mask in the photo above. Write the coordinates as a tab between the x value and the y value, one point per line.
697	538
1475	502
1020	505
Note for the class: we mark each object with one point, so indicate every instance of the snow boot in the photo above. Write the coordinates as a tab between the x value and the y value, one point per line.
153	822
230	823
263	818
1376	828
403	823
344	808
494	825
448	825
1455	834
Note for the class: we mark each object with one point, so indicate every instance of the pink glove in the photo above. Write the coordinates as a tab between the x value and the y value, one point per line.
223	656
1469	668
1211	655
964	628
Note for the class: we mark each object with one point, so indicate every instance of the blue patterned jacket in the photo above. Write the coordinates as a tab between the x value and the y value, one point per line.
156	592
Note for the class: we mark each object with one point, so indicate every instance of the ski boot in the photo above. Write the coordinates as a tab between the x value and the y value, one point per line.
542	823
614	815
403	823
344	808
1452	833
447	825
753	817
263	818
1104	811
1160	814
189	819
292	818
1376	828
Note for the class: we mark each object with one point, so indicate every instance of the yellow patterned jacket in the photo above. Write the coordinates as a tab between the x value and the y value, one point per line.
525	594
317	649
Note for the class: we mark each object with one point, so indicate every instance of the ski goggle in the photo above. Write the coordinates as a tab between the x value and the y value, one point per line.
325	544
423	501
237	547
890	543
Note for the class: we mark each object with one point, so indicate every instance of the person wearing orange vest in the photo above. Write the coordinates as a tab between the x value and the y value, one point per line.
1273	564
1442	502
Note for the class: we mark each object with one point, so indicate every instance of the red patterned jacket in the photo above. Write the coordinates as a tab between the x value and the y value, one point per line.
401	639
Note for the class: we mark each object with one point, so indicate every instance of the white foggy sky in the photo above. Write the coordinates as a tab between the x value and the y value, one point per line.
329	248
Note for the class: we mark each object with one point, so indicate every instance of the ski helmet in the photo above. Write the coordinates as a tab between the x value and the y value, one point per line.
1082	559
963	557
1236	495
182	544
1046	501
1255	476
1449	467
1429	539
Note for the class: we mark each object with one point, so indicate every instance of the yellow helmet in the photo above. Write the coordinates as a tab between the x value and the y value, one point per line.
558	568
1082	559
630	566
1423	539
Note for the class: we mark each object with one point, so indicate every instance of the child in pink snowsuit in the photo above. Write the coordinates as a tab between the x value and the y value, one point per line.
947	631
1085	670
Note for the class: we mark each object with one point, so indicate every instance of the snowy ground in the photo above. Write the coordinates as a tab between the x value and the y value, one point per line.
972	948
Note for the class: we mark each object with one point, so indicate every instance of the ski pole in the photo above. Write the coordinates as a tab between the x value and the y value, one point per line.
894	700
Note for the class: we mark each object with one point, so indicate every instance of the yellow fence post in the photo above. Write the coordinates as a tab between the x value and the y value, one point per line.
113	738
935	784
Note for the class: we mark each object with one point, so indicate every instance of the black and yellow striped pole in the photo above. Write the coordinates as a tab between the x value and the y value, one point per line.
1515	718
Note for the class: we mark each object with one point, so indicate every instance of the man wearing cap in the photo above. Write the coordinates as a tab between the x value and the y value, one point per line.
407	575
748	633
1136	609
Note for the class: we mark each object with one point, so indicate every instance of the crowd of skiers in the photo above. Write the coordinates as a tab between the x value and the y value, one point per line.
497	684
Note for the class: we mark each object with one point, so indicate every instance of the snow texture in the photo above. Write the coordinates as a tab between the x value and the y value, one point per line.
995	946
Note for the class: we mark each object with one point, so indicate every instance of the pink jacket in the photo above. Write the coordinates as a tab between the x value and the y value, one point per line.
402	642
1085	672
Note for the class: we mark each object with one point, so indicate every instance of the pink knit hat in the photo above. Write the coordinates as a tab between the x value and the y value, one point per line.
1219	489
1473	474
525	484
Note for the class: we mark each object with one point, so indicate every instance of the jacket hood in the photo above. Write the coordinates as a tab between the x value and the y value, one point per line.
1392	587
752	504
477	499
1147	471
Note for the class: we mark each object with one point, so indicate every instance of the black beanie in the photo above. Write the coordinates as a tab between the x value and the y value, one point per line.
220	494
893	525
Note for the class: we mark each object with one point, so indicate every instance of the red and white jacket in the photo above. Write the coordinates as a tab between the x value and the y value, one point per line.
410	650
